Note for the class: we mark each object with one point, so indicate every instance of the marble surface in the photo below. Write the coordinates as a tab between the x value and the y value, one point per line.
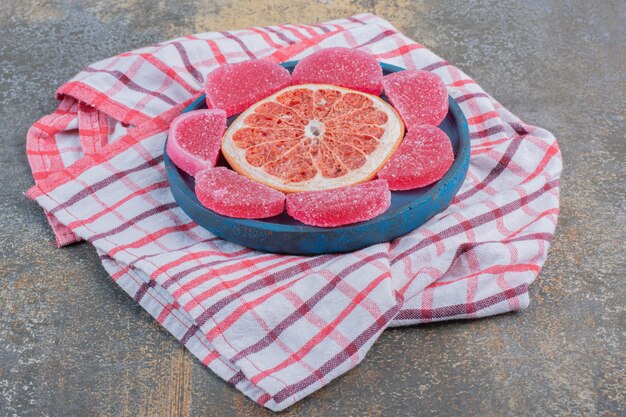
73	344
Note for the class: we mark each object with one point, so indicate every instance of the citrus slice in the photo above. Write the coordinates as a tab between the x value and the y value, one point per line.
420	97
350	68
424	156
194	139
230	194
234	87
313	137
346	205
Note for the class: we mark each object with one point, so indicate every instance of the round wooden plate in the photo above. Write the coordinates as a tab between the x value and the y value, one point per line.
282	234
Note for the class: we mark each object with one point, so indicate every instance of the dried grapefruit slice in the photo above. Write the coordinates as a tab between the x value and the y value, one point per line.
228	193
234	87
195	138
313	137
423	158
350	68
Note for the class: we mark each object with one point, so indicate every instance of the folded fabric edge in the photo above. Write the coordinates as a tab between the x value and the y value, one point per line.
159	303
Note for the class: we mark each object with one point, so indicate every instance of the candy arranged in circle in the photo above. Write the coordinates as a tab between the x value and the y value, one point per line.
195	139
424	156
345	67
313	137
340	206
230	194
420	97
235	87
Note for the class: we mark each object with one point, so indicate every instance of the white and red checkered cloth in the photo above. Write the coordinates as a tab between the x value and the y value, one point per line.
280	327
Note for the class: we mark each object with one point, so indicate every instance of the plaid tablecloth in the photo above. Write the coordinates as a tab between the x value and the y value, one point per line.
280	327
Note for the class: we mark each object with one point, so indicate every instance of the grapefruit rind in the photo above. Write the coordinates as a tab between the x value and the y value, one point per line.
389	141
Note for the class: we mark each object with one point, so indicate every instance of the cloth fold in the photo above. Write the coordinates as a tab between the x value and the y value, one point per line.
280	327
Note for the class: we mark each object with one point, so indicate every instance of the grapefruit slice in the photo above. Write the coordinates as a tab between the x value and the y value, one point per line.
338	207
350	68
420	97
195	138
424	156
313	137
234	87
230	194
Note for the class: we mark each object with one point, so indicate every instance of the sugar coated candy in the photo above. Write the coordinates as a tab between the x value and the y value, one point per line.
419	96
345	67
230	194
423	157
235	87
340	206
195	139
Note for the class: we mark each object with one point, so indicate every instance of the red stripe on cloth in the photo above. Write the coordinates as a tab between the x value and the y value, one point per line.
188	65
109	209
459	310
478	220
308	29
241	44
552	151
334	362
481	118
312	342
131	222
298	314
460	83
93	129
491	270
294	31
267	38
502	164
219	56
152	237
485	133
154	126
403	50
288	52
264	282
280	35
169	72
130	84
85	93
219	286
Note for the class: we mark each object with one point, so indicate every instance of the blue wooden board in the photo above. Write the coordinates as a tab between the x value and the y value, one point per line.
282	234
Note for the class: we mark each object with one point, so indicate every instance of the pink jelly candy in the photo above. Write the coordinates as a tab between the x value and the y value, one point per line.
419	96
339	206
195	139
423	157
230	194
235	87
350	68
